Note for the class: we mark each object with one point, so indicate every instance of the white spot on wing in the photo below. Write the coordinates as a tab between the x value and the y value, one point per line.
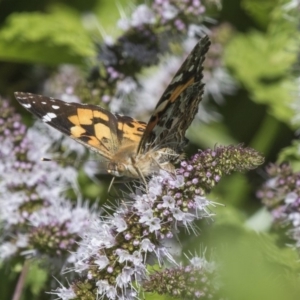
55	106
27	105
191	68
177	78
48	117
161	107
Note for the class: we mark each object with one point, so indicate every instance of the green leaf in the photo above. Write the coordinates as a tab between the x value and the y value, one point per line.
48	38
252	266
259	10
291	154
109	12
155	296
261	62
36	278
214	131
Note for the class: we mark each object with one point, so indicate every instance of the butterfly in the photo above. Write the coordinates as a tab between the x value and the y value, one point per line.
130	147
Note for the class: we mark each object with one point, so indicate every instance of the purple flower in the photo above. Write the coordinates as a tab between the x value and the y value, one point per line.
281	194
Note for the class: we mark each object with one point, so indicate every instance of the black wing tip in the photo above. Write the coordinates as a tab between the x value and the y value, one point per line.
18	94
203	45
205	39
24	97
21	96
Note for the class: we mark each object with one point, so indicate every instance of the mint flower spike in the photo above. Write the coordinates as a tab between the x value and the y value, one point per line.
281	196
114	252
37	220
194	281
205	169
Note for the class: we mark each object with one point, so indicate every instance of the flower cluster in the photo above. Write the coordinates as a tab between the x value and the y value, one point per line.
166	15
194	281
206	168
63	84
147	33
116	77
217	80
115	250
281	195
35	217
13	146
178	15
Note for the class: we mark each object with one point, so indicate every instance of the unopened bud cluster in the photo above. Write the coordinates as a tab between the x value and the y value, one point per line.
190	282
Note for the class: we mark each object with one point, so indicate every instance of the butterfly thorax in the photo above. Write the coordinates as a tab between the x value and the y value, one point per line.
127	162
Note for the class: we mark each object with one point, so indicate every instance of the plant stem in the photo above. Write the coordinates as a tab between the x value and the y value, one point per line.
20	285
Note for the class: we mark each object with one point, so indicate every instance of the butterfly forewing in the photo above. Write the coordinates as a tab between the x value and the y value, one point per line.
178	105
90	125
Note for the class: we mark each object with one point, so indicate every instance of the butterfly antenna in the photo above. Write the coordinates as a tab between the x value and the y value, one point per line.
143	179
75	162
46	159
71	161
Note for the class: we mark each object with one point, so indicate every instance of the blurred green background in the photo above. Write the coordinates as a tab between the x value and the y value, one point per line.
261	55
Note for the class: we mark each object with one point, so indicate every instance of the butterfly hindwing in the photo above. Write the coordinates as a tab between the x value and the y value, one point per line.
129	129
178	105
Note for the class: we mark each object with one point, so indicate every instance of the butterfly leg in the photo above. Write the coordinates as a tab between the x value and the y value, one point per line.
166	166
142	177
111	184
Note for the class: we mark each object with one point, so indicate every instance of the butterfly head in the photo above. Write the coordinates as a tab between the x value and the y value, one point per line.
116	169
133	166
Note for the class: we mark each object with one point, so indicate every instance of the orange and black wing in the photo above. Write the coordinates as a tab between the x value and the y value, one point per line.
178	105
90	125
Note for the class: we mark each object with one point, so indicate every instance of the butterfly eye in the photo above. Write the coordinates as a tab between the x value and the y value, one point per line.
115	169
121	169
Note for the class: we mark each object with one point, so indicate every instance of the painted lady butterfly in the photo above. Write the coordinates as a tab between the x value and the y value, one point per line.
132	148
